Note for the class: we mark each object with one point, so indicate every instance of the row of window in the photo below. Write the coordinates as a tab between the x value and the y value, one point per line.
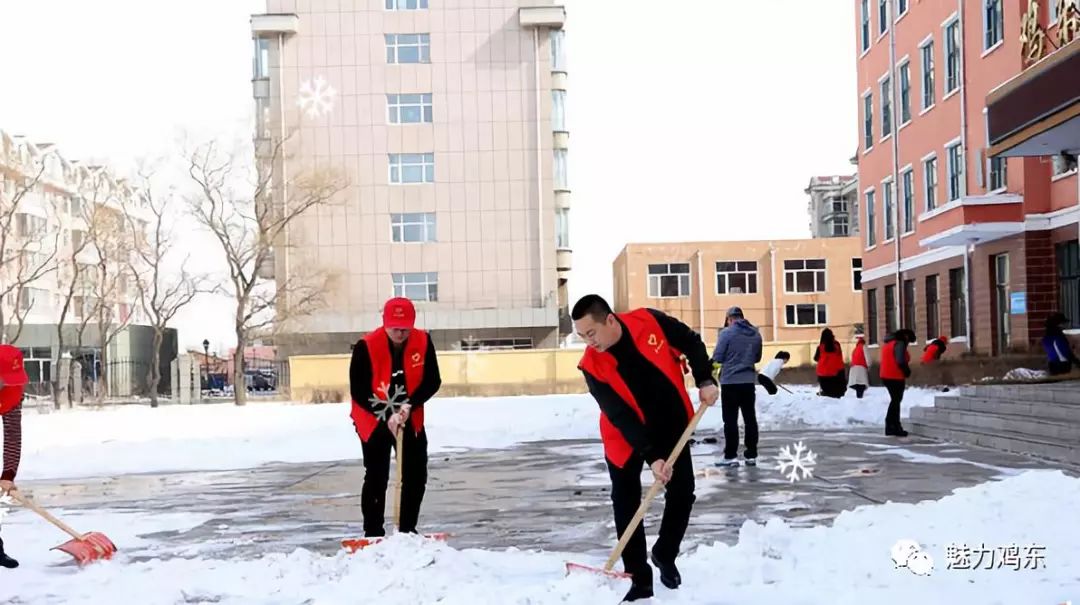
957	307
419	227
801	276
417	168
993	18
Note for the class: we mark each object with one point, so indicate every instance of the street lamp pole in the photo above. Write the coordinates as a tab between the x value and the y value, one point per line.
206	363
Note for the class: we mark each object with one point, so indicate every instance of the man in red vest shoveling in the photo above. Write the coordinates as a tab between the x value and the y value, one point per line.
633	369
392	374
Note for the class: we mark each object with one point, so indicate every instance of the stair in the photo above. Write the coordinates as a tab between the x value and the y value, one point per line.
1039	420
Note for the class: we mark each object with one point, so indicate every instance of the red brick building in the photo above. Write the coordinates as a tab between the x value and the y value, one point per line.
958	241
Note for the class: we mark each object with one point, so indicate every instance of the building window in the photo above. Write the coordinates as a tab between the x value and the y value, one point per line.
930	178
840	226
957	302
736	277
1064	164
406	5
1068	272
261	61
408	48
412	168
905	93
865	15
871	317
999	178
907	189
559	168
417	286
909	304
952	56
807	315
901	7
496	344
669	280
993	23
29	297
413	227
928	75
558	54
955	171
887	209
883	16
868	121
409	109
562	228
558	110
29	226
890	309
802	276
933	316
871	227
856	274
886	107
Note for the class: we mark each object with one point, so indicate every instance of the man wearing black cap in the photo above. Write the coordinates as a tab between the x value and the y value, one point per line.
392	374
738	350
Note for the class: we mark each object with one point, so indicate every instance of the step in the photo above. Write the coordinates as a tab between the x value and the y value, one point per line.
1026	425
1060	412
1000	440
1066	392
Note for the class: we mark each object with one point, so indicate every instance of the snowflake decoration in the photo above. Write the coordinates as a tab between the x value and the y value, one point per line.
390	402
316	97
801	459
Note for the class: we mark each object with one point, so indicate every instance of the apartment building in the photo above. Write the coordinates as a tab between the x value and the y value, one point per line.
789	289
51	265
958	241
833	207
448	118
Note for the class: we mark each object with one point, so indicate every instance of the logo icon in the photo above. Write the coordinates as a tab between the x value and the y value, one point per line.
907	553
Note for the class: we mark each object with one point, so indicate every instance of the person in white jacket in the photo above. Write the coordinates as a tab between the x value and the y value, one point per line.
767	376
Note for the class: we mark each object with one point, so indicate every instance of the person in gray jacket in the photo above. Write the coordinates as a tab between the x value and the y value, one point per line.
738	350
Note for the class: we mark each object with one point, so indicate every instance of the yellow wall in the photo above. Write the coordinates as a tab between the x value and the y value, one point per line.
704	310
324	378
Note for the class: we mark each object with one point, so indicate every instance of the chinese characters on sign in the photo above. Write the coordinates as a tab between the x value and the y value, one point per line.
962	556
1068	21
1032	36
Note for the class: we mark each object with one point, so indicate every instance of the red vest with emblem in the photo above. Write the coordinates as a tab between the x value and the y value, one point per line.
378	347
649	339
890	370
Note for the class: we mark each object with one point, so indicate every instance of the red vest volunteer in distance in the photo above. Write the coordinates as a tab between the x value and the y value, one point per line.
890	369
649	339
830	363
378	347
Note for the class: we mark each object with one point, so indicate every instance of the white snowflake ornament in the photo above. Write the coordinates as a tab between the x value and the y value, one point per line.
802	459
316	98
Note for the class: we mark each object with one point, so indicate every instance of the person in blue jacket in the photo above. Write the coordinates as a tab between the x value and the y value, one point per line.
738	350
1059	354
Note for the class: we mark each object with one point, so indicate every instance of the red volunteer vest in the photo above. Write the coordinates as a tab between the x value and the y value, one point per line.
10	396
649	339
378	346
830	364
890	370
858	356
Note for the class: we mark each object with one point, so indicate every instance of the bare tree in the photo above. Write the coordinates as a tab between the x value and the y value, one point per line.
26	255
252	225
112	242
161	293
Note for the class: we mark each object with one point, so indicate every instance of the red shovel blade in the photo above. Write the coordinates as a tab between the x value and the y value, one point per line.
355	544
611	573
91	547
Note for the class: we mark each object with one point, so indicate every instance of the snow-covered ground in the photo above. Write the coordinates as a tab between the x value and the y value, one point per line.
849	561
138	439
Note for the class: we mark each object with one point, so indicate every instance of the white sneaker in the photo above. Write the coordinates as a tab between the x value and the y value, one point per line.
750	461
728	462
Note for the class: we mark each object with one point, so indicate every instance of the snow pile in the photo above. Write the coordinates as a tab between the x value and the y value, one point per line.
139	439
850	561
1025	374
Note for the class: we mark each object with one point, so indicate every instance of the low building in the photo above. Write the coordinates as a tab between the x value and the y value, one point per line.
833	207
790	289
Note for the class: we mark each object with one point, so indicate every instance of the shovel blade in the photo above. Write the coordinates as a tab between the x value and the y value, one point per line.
354	544
610	573
89	548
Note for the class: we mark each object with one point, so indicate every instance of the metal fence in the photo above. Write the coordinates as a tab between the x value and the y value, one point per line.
261	377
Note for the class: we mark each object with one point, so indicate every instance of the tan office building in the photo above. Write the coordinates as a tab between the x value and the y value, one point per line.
789	289
448	119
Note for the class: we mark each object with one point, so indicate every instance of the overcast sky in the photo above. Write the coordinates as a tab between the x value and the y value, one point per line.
713	114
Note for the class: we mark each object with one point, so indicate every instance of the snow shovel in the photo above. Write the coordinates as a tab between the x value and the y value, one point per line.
84	547
653	490
355	544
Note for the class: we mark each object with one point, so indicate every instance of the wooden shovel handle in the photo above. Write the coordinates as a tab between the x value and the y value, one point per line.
397	488
653	490
44	513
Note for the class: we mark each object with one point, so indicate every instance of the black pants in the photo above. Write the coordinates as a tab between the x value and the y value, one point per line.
896	395
765	381
678	502
833	386
735	398
1059	367
377	476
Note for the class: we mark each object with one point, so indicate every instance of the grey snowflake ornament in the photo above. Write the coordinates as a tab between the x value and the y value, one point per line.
391	401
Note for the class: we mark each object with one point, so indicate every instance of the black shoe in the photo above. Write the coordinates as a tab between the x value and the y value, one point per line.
896	431
642	591
6	561
669	574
